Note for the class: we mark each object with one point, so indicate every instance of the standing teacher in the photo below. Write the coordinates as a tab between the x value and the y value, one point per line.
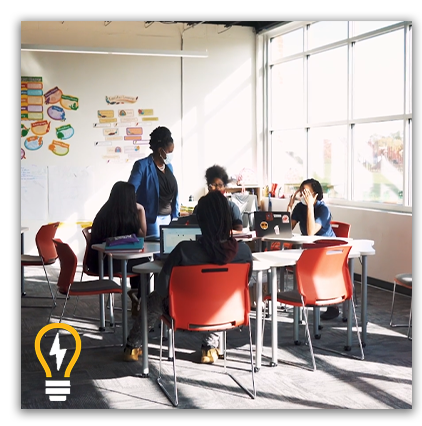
155	184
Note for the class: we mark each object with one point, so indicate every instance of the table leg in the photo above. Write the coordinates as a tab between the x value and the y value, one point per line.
101	296
274	337
124	301
364	306
144	327
258	325
349	307
22	270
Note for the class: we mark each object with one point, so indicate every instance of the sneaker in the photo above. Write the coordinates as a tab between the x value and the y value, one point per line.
331	313
209	356
131	354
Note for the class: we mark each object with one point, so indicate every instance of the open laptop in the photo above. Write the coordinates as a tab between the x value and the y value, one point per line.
273	224
171	235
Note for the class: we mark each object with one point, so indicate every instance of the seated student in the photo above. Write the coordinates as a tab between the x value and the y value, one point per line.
216	245
120	215
314	218
217	180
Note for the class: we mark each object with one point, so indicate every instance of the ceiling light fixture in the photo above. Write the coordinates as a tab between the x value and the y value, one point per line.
104	51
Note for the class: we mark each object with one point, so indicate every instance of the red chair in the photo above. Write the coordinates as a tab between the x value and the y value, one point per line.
341	229
323	279
207	298
66	284
47	254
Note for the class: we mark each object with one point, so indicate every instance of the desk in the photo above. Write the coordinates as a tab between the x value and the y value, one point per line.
282	258
23	230
149	250
361	246
154	267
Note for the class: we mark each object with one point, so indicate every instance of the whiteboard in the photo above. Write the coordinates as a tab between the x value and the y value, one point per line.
34	193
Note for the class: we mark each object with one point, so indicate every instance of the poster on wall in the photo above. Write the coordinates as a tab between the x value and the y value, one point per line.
122	137
37	136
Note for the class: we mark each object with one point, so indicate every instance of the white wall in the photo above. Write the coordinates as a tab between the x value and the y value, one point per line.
208	104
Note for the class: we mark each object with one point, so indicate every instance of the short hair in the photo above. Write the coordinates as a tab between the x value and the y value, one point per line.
316	187
160	138
214	219
214	172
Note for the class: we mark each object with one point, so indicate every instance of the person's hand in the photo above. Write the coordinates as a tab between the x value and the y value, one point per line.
308	197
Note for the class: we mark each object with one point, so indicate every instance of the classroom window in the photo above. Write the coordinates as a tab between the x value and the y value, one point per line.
340	110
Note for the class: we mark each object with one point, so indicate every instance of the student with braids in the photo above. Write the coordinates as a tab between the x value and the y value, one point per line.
120	215
216	245
217	180
155	184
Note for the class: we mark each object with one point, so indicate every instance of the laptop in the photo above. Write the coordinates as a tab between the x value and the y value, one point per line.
171	235
273	224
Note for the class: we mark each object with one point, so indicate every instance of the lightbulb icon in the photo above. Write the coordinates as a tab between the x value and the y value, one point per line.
57	389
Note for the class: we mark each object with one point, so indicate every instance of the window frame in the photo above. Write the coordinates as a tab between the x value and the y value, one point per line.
350	122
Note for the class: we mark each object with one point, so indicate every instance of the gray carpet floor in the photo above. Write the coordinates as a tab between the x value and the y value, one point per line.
101	379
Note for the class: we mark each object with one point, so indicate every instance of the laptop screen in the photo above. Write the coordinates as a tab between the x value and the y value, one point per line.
171	235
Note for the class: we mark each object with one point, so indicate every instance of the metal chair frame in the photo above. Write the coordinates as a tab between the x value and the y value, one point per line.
196	305
398	280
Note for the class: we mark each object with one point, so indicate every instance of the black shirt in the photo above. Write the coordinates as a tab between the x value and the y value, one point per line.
167	189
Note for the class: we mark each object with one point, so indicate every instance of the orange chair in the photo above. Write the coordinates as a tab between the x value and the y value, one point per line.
66	284
323	278
47	254
207	298
341	229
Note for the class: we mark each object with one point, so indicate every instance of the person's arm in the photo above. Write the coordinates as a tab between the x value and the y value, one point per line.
292	201
237	222
136	175
143	220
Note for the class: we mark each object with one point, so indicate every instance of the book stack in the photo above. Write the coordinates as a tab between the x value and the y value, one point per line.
125	243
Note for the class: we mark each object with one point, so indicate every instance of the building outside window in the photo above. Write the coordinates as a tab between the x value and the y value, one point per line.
340	110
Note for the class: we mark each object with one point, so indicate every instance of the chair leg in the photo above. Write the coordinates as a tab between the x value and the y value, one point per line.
173	399
408	325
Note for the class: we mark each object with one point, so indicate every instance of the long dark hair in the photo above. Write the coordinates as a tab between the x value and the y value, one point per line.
214	219
119	215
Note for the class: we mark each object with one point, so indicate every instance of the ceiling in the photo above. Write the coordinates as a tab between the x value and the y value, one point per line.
258	26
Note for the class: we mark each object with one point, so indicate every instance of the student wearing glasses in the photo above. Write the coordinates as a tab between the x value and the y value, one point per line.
155	184
314	218
217	180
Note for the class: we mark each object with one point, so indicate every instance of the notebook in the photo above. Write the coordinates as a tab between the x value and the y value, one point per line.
273	224
171	235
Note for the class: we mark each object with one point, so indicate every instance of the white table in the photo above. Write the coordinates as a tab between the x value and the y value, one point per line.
283	258
150	248
154	267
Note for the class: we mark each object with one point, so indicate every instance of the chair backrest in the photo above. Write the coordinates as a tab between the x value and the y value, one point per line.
68	264
323	275
209	297
341	229
44	242
87	234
